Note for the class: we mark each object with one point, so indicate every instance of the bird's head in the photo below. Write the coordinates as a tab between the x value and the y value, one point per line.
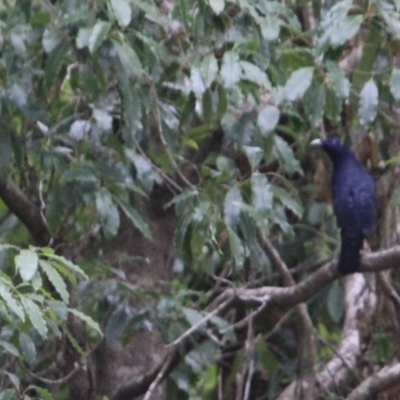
333	147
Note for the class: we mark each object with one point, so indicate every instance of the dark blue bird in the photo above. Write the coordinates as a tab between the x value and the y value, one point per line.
354	201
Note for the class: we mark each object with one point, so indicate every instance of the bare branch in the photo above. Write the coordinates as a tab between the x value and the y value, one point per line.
382	380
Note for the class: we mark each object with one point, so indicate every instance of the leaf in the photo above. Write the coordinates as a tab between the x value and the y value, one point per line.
9	348
44	393
341	85
207	107
222	102
253	73
35	315
345	30
54	62
122	11
270	27
188	109
136	218
28	348
11	303
261	190
68	264
129	59
286	157
116	324
192	316
230	70
98	35
82	38
85	318
290	201
108	212
14	379
394	83
298	83
368	102
7	394
209	69
196	80
232	202
56	280
254	155
314	101
217	5
333	105
236	247
267	119
27	264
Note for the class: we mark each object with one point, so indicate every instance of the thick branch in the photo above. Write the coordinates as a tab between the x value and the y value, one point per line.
281	296
25	211
382	380
360	304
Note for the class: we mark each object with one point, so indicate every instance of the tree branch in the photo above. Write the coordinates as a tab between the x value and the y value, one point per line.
381	380
25	211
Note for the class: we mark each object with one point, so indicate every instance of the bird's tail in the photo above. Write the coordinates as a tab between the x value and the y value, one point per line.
349	259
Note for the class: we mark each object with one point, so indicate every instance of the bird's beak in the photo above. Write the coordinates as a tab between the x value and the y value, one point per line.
316	142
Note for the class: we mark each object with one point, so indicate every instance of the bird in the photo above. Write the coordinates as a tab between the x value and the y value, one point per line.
355	201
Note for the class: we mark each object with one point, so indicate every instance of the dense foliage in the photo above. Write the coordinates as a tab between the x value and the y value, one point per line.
163	146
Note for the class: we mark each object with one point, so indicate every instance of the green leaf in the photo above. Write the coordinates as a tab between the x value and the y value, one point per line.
9	348
7	394
69	264
136	218
267	119
232	206
207	107
314	101
270	27
98	35
394	83
56	280
129	59
188	109
44	393
298	83
236	247
192	316
11	303
35	315
116	324
27	263
85	318
122	12
230	70
82	38
14	379
209	69
345	30
290	201
222	102
54	62
368	103
262	194
254	155
197	81
286	157
333	105
28	347
341	85
108	212
253	73
217	5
